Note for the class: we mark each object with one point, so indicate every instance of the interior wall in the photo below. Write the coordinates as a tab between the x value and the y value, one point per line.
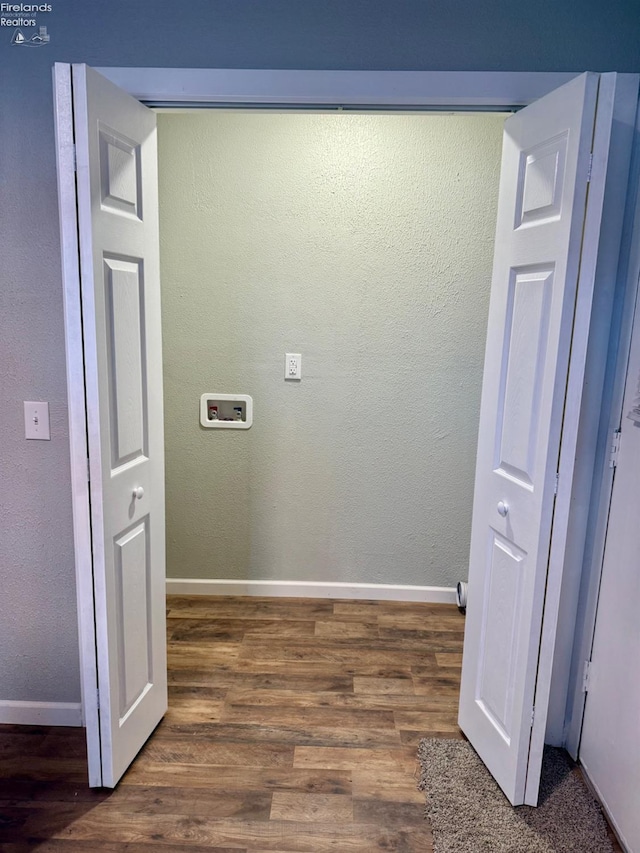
37	600
365	243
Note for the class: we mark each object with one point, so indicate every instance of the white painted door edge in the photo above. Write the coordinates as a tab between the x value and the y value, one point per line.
67	205
311	589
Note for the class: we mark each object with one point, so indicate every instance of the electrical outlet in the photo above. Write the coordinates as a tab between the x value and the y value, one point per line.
293	365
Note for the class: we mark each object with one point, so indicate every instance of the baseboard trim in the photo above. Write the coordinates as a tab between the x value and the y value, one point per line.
591	785
311	589
40	713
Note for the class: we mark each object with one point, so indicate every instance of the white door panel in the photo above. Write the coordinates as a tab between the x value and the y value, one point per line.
610	745
541	212
120	286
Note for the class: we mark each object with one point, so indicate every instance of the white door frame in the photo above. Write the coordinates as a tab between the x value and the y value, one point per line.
584	433
395	90
625	306
193	88
77	403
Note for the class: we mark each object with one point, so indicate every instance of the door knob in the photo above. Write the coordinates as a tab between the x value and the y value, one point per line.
138	492
503	508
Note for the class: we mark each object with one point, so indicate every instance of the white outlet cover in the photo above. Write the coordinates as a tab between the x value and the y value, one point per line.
36	420
293	365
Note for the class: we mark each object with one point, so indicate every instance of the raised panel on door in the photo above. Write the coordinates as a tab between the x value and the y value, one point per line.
522	372
541	181
501	616
124	297
120	173
134	618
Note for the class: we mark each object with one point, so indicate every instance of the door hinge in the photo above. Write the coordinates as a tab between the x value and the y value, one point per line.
98	699
615	449
75	159
555	485
533	715
88	470
586	676
590	167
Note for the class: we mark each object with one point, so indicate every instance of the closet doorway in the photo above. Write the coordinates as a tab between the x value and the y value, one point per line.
535	190
364	242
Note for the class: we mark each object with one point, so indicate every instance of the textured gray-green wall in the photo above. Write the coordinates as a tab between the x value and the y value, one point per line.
365	243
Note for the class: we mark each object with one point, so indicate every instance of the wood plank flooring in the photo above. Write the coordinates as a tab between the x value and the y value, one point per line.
292	728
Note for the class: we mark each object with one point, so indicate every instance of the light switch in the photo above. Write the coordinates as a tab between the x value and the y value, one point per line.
36	421
293	365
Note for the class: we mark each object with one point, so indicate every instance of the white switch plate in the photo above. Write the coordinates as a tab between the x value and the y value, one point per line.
293	365
36	420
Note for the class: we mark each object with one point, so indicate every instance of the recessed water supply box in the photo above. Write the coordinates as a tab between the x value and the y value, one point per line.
226	411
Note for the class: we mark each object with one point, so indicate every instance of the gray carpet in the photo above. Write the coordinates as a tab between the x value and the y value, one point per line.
470	814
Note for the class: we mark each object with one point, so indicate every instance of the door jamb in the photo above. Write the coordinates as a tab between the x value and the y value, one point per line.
626	303
444	90
76	396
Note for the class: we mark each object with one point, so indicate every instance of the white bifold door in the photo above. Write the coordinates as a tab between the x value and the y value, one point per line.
106	150
541	295
115	363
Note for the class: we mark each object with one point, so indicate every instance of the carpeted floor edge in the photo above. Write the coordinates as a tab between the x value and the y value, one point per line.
469	813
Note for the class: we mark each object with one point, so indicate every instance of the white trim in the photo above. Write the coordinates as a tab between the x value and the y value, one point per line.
617	101
605	808
67	206
40	713
615	381
261	87
617	95
311	589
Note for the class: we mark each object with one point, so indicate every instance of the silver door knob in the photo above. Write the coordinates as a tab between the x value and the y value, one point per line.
138	492
503	508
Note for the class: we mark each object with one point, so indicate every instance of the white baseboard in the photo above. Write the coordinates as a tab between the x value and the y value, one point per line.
40	713
312	589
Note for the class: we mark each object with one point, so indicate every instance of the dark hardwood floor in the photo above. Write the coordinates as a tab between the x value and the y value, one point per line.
292	728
